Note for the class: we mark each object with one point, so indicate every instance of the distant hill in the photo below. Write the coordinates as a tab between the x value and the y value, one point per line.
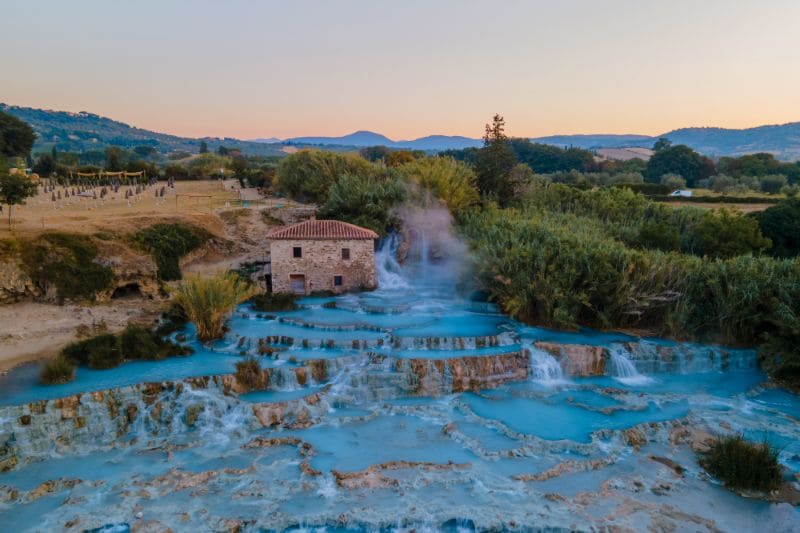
783	141
591	142
80	132
363	138
86	131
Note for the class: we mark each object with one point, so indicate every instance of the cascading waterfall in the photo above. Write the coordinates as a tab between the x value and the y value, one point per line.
623	369
543	367
388	269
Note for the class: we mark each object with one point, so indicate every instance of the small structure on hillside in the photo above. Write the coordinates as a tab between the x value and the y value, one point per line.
322	255
682	192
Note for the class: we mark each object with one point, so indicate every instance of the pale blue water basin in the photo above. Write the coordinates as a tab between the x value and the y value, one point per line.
557	421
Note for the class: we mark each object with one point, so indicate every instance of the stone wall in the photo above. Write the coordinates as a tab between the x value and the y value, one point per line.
321	261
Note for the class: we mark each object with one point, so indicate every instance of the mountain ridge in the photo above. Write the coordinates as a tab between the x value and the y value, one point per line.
83	131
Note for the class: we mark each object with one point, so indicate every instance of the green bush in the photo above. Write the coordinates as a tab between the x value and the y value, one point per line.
57	371
547	265
781	224
138	342
107	350
96	352
66	262
743	465
726	233
167	243
308	175
275	301
366	201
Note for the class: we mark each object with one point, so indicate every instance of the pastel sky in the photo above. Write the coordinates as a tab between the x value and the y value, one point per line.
406	68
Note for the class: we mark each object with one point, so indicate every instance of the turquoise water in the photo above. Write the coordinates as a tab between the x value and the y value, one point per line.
358	449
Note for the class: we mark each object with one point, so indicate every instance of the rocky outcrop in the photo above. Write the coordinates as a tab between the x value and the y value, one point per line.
373	477
432	377
134	272
15	284
577	359
294	414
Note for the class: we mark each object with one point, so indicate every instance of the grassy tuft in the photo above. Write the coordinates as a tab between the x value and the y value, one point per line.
57	371
743	465
249	375
208	301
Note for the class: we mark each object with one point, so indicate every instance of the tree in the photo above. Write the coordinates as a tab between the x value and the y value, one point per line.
680	160
773	183
494	162
781	224
221	150
203	147
367	201
144	151
374	153
16	136
45	165
445	178
724	233
308	175
115	159
662	144
673	181
14	189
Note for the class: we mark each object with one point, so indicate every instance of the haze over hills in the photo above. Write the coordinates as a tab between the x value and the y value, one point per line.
87	131
368	138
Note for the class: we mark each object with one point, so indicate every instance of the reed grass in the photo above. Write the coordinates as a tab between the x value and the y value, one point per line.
208	301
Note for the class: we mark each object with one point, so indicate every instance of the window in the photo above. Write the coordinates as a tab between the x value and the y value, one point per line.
297	251
337	281
345	254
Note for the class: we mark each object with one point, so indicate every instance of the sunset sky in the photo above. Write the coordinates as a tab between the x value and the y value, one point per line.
406	68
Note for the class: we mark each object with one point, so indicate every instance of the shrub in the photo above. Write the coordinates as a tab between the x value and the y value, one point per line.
781	224
57	371
275	301
97	352
208	302
743	465
167	243
67	263
138	342
726	233
249	375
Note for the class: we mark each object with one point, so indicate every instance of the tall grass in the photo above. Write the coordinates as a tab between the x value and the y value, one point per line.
743	465
209	300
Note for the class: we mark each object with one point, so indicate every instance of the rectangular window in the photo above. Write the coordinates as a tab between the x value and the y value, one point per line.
345	254
337	281
297	251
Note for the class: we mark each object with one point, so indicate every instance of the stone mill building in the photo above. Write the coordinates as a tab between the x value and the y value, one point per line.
322	255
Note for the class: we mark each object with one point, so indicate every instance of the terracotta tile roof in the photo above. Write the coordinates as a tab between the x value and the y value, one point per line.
322	229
